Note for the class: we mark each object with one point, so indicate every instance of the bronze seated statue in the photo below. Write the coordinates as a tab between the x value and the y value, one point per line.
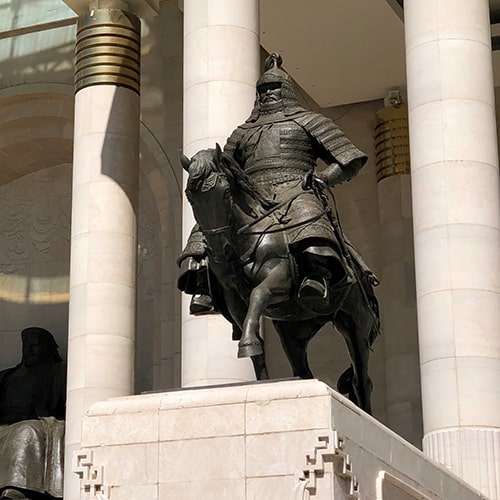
32	408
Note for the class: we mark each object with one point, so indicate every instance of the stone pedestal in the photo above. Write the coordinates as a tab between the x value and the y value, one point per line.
292	440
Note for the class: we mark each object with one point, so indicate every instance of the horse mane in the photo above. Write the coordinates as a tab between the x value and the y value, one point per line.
236	175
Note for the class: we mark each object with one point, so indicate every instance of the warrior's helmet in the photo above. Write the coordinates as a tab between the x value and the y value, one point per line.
274	74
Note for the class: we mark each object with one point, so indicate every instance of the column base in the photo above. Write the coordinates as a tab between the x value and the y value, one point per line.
471	453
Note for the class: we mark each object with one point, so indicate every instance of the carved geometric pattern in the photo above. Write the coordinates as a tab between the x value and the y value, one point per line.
390	487
328	447
91	476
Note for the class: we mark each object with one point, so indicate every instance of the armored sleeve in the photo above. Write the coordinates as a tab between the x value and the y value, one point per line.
344	158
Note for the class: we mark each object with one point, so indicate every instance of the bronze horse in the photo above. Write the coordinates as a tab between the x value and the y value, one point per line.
253	275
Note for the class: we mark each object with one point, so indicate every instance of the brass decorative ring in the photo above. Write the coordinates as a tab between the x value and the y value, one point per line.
108	50
392	142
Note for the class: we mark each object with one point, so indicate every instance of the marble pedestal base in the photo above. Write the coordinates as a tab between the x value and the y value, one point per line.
291	440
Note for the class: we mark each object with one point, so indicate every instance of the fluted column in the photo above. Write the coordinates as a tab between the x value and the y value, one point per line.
456	226
221	67
103	230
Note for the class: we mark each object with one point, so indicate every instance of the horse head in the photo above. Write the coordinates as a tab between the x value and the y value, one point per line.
208	191
203	170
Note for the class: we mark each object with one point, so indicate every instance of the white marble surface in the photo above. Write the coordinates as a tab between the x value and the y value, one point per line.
250	441
221	67
447	20
471	453
138	7
103	252
455	193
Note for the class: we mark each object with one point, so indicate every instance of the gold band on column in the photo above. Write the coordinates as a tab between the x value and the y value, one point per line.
392	142
108	50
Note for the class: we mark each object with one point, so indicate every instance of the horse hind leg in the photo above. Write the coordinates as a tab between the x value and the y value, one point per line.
295	337
260	367
345	384
356	332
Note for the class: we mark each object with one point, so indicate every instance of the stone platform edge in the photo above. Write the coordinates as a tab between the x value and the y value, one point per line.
251	439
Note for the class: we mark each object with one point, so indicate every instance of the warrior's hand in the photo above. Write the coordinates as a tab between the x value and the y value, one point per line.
333	175
307	181
310	181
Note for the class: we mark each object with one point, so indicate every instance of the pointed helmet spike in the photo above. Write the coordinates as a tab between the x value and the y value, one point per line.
274	60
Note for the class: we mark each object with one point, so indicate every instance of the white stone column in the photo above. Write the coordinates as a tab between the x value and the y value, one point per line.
221	68
455	194
102	302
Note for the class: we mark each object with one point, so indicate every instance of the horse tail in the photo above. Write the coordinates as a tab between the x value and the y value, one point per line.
344	383
375	329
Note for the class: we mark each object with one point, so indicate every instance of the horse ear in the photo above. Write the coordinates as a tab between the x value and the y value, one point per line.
185	161
218	152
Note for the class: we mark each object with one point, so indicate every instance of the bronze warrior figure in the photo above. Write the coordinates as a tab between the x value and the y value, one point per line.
276	245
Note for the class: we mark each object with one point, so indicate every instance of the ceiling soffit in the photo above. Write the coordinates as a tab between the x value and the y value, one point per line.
338	52
344	52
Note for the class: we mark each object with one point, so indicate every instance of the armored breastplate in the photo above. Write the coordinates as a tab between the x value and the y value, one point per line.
282	145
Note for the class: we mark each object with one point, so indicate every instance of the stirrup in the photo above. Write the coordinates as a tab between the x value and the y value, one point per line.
314	296
201	304
313	289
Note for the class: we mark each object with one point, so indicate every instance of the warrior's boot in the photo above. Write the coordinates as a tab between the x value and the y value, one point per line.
193	276
201	304
194	281
323	272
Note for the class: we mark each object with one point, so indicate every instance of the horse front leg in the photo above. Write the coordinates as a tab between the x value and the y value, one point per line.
251	342
233	308
273	288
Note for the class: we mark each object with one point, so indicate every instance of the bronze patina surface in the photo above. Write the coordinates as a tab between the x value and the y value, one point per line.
269	231
32	407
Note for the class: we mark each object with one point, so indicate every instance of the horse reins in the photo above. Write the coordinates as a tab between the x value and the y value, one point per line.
243	229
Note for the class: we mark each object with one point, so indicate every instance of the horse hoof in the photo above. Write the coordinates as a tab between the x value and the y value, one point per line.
249	350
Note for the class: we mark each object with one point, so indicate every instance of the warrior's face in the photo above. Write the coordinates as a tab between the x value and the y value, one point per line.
35	350
269	93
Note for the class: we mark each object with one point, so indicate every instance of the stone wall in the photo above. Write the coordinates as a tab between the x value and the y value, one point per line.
35	218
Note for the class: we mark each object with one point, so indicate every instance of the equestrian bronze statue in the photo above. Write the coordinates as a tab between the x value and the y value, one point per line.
268	240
